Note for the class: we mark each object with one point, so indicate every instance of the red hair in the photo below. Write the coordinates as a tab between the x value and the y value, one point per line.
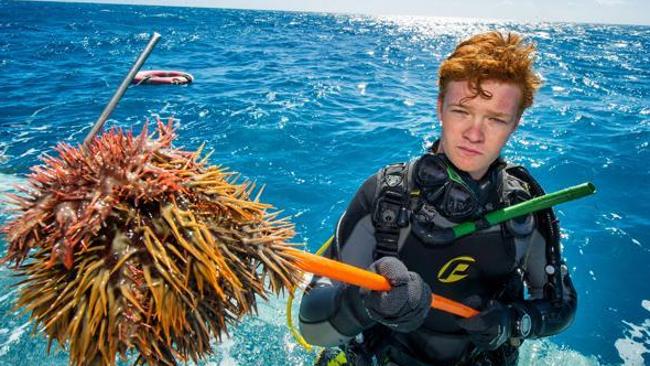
492	56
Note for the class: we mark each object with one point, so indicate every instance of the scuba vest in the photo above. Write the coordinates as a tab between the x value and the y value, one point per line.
486	264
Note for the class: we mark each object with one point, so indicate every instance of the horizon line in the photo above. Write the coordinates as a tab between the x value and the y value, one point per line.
214	6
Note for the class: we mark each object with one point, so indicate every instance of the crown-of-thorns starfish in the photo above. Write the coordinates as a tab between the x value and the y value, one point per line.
128	244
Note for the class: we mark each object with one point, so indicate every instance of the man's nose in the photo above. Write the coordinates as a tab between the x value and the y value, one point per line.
474	132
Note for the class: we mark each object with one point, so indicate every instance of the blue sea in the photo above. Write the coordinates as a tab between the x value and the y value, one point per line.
311	104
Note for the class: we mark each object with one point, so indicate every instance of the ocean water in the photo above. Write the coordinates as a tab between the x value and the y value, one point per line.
311	104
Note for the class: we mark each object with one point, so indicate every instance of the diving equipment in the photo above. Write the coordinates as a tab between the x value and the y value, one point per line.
406	305
494	252
452	192
491	328
523	322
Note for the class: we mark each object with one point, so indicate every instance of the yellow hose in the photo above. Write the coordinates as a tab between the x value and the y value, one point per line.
294	331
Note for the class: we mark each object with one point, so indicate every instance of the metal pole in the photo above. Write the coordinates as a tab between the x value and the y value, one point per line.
121	89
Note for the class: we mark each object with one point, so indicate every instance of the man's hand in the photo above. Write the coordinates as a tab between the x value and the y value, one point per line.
490	328
406	305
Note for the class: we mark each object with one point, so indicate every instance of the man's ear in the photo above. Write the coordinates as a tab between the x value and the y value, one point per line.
439	110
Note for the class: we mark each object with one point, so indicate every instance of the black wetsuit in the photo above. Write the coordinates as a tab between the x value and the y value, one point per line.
492	263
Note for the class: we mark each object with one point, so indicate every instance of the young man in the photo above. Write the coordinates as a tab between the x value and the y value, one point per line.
393	226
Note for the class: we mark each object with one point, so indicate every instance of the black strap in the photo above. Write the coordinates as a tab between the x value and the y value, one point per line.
391	211
550	230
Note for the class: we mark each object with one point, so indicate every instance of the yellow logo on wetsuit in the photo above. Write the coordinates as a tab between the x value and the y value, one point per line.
455	270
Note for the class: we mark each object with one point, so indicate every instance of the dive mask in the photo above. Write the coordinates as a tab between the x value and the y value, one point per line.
446	189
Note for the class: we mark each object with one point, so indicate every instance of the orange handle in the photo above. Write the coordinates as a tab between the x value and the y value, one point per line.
352	275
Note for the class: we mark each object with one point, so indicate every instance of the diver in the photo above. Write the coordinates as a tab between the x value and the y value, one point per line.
513	273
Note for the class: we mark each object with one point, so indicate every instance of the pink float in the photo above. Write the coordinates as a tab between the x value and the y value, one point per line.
158	77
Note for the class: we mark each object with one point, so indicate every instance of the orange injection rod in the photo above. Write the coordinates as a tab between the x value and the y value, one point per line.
352	275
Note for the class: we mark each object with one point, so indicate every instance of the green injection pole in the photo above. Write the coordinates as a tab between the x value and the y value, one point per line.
524	208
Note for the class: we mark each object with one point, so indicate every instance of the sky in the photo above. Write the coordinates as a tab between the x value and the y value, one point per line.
581	11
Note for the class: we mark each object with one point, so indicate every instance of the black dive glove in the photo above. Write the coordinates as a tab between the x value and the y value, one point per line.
491	327
406	305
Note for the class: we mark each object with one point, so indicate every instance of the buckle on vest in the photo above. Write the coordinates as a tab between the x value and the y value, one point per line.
391	209
390	213
386	212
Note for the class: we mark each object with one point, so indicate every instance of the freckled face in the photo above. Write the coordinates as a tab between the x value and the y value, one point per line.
475	130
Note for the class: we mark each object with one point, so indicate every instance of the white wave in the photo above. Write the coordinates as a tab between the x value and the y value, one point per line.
636	341
7	183
361	87
225	348
14	337
409	102
3	152
547	353
8	295
31	151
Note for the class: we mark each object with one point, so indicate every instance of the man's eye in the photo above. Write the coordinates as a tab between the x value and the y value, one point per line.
459	111
499	120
